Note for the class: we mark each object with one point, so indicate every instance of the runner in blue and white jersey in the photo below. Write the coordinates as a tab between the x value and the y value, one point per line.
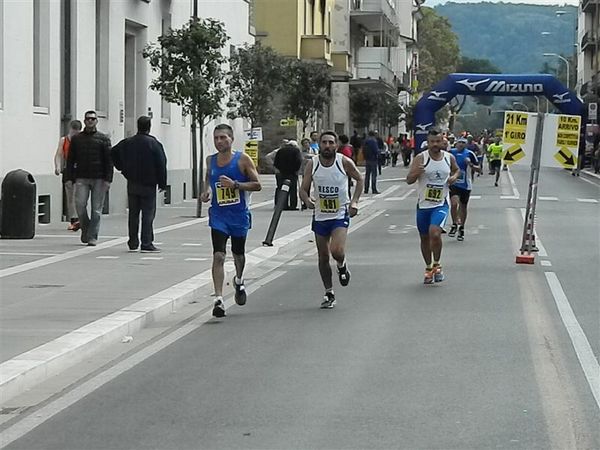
460	191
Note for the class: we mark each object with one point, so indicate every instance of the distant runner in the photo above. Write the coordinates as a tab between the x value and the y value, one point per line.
495	156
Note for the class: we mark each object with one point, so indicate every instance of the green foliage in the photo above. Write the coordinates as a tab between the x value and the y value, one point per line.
306	90
510	35
255	76
389	110
188	62
363	107
438	49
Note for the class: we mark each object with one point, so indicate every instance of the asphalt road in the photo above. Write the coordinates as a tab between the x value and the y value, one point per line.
482	360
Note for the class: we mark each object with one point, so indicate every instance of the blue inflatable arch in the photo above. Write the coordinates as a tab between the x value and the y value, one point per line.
491	84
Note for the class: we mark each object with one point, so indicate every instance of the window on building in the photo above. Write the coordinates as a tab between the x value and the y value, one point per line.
309	17
41	55
251	18
102	19
165	106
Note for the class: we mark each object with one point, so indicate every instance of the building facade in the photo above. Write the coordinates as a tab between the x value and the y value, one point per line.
588	64
60	58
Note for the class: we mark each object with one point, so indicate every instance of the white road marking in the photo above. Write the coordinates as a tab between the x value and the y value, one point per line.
152	258
394	179
26	254
407	194
584	352
548	199
508	197
70	236
295	262
107	257
545	262
84	251
587	200
196	259
588	181
393	199
475	197
513	185
542	250
191	244
388	191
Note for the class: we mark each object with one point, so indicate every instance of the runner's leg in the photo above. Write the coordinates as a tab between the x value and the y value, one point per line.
219	241
324	267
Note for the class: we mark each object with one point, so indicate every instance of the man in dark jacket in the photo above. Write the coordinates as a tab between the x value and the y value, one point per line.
142	160
371	154
288	160
91	169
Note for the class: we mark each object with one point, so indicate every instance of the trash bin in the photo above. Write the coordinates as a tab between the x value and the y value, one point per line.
19	205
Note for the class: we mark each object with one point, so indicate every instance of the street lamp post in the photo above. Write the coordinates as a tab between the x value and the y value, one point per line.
566	61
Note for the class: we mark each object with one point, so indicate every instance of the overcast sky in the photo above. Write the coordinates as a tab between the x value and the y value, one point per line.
533	2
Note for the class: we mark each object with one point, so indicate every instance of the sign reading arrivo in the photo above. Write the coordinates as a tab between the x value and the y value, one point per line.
560	142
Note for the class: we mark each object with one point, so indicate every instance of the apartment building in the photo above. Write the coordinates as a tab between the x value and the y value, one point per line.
588	64
60	58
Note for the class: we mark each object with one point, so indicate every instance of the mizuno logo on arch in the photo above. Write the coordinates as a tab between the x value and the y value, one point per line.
517	88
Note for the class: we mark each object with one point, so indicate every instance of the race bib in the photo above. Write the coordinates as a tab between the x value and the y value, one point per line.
329	204
227	196
433	193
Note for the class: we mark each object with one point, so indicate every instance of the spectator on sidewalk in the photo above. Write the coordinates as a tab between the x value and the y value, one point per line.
356	143
142	161
314	142
288	161
60	167
90	166
371	153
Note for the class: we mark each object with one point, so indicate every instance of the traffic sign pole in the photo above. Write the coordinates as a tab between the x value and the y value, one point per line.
528	240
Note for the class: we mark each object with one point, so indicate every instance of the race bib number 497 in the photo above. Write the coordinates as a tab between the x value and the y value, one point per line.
433	193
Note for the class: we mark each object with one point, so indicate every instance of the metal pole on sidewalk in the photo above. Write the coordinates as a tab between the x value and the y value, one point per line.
527	241
282	199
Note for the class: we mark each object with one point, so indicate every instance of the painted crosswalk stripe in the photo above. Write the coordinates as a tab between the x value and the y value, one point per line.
587	200
475	197
196	259
545	262
152	258
191	244
548	199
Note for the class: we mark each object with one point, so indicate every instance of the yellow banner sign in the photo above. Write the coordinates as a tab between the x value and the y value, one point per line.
567	133
251	149
515	127
566	158
513	154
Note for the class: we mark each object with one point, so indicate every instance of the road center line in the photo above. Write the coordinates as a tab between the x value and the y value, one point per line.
584	352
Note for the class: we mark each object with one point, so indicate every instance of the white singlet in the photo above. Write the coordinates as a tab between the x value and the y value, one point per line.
331	189
433	183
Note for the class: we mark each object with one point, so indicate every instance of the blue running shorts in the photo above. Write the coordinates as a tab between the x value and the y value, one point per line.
325	227
432	216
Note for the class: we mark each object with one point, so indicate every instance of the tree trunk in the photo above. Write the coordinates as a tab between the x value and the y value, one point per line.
194	159
201	177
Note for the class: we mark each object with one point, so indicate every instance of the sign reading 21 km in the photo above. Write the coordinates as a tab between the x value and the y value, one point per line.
514	136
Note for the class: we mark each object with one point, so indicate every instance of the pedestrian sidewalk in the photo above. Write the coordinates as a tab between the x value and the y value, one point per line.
62	301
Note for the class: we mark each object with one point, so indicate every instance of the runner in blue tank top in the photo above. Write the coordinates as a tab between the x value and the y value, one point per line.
460	191
230	177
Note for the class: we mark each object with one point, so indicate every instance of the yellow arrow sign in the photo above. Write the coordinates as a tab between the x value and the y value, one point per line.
566	158
513	154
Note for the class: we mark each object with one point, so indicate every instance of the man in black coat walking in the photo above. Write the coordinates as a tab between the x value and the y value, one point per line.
142	161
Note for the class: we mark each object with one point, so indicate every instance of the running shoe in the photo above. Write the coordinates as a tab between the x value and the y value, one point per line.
328	301
344	275
461	234
240	293
452	231
150	249
428	277
438	274
218	308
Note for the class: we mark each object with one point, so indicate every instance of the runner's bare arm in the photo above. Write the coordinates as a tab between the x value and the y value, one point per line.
205	194
250	171
353	173
454	170
305	187
416	169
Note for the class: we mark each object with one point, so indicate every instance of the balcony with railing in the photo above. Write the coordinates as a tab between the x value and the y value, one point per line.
316	47
589	42
588	6
375	64
373	15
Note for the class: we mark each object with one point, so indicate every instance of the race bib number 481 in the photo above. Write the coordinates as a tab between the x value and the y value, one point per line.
433	193
329	204
227	196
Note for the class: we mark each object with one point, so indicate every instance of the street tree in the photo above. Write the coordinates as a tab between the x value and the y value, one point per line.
189	66
255	76
363	107
306	90
389	110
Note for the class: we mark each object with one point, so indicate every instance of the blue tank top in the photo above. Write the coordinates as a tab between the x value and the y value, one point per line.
228	204
462	161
